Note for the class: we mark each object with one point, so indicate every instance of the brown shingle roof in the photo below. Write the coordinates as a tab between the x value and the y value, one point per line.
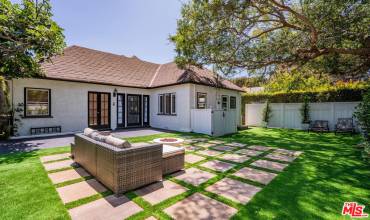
88	65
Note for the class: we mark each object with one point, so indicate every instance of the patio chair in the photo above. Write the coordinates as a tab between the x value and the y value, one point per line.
319	125
119	169
344	125
173	159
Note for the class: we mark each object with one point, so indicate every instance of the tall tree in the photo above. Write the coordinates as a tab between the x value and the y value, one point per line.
262	35
28	36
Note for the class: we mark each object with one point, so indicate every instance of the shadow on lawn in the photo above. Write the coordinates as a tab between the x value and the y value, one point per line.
315	186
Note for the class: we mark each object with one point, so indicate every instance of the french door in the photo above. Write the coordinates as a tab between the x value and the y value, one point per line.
146	110
99	110
133	110
121	115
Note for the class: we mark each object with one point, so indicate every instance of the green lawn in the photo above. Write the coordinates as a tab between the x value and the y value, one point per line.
314	186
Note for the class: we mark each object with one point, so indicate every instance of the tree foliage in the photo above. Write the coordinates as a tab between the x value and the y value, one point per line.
262	35
363	112
28	36
249	81
305	110
266	112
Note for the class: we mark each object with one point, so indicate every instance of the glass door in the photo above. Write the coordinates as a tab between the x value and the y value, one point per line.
133	110
120	110
146	108
99	110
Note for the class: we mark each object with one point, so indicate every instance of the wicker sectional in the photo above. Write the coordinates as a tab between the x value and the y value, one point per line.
124	169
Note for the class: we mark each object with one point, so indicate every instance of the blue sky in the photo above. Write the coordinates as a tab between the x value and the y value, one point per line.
126	27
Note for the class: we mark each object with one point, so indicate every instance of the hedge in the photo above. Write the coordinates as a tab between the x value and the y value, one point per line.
337	95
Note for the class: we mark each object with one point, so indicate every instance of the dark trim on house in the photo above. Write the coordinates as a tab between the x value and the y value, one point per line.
140	111
99	126
199	93
124	110
25	104
147	124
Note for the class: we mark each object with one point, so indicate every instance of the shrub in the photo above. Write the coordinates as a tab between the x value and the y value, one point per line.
363	113
266	113
305	111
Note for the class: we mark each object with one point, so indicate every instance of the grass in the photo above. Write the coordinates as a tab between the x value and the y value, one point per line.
314	186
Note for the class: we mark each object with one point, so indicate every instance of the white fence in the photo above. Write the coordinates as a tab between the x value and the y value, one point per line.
287	115
213	122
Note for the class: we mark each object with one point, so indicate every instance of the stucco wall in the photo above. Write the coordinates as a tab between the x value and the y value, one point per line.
68	103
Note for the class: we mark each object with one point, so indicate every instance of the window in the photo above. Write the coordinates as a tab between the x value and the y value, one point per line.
201	100
167	104
232	102
161	104
224	102
37	102
173	103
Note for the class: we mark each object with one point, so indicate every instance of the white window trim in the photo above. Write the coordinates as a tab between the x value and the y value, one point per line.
48	103
227	102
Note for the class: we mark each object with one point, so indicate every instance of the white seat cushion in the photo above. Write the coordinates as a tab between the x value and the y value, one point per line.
169	150
88	132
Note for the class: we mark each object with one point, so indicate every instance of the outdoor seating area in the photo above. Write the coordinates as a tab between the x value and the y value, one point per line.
91	185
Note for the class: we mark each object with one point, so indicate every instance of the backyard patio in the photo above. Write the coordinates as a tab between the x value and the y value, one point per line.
254	174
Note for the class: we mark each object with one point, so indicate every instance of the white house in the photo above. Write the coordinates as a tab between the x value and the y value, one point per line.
89	88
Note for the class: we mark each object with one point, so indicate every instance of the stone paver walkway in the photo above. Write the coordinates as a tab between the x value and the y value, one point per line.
235	158
269	165
236	144
217	165
249	152
281	157
255	175
59	165
195	206
193	176
192	158
80	190
67	175
108	208
234	190
45	159
198	206
158	192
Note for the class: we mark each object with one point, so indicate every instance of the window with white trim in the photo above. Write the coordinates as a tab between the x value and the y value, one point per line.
167	104
37	102
201	100
232	102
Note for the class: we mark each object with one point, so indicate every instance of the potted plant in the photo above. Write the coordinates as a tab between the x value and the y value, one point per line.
266	114
305	113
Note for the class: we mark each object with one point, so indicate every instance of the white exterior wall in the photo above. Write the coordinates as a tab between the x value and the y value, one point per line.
287	115
178	122
214	98
68	103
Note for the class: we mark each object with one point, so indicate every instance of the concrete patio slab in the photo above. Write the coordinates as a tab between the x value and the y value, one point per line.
108	208
249	152
191	158
158	192
45	159
235	158
151	218
290	153
255	175
190	141
200	139
281	157
223	148
193	176
210	153
234	190
236	144
80	190
269	165
217	165
198	206
67	175
260	148
59	165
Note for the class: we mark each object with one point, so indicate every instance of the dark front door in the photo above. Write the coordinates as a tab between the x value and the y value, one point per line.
99	110
121	110
146	110
133	110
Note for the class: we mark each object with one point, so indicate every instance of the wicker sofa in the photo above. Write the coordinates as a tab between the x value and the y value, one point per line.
119	169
